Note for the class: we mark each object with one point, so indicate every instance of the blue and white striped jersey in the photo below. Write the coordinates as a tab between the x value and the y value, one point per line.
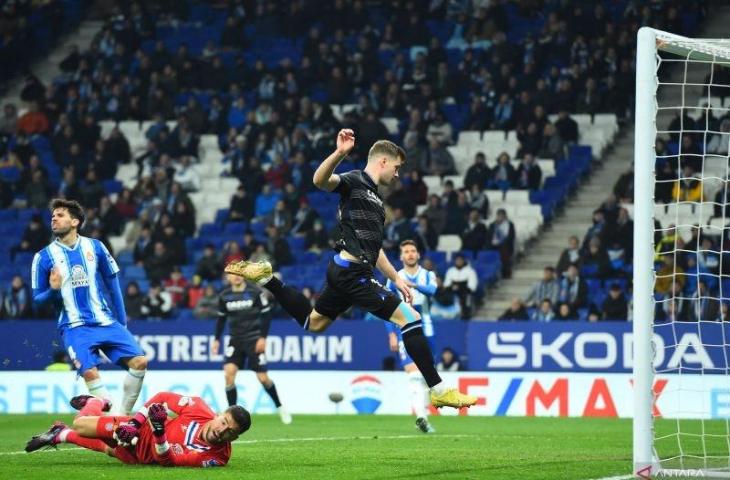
83	268
425	282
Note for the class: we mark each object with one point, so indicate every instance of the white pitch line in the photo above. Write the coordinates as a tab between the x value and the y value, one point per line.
620	477
278	440
334	439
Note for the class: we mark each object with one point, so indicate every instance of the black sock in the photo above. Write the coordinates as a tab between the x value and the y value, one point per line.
232	394
417	347
295	304
271	390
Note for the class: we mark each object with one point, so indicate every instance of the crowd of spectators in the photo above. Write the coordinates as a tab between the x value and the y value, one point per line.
275	124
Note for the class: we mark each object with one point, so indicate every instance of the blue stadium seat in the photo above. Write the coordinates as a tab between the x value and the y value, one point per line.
188	271
210	230
258	229
10	174
144	285
235	228
125	258
113	186
221	216
488	256
133	272
24	259
296	243
436	256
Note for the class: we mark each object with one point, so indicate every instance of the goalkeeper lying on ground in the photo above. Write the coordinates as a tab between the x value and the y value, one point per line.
196	437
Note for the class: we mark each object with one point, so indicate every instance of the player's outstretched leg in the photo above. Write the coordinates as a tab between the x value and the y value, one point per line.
294	302
47	439
60	433
417	347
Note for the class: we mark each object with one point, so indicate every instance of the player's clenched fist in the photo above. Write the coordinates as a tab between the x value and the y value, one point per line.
345	141
157	414
54	279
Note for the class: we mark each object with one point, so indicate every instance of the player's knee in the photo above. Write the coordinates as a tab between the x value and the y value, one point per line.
318	323
317	327
408	314
138	363
91	374
77	423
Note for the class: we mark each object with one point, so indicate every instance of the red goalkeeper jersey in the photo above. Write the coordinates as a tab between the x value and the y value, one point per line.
187	448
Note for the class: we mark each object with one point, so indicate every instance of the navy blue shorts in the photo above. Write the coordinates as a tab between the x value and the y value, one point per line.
350	283
85	343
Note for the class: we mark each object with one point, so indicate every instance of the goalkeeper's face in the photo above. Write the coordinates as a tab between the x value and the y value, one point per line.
222	429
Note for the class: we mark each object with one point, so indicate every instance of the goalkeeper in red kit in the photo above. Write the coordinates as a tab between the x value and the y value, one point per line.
195	437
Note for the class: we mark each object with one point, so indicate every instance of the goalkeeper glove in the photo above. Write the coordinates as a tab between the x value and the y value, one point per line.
157	414
127	434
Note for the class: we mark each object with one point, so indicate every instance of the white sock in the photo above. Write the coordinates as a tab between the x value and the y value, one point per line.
97	389
419	392
62	436
439	388
132	386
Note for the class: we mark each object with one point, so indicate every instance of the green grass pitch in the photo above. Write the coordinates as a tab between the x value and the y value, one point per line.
360	447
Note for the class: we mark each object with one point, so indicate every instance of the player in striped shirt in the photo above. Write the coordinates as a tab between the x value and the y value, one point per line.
423	285
195	437
71	272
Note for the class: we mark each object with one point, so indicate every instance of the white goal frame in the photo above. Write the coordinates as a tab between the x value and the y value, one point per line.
649	43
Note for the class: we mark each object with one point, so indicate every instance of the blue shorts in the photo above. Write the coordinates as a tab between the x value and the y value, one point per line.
403	356
84	344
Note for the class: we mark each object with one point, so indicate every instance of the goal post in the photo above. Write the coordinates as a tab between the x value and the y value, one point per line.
643	289
692	439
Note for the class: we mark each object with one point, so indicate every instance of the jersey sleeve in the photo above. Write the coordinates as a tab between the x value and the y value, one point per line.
221	323
347	180
174	457
177	403
39	272
265	316
222	310
107	265
429	287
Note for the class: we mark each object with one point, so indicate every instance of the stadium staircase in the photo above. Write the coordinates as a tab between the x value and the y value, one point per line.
46	68
574	220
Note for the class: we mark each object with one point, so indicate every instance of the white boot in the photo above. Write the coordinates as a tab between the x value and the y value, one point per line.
284	415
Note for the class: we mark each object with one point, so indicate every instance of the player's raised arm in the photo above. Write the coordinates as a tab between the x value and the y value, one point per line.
324	177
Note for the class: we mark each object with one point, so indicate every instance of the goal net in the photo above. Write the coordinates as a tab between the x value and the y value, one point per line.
681	257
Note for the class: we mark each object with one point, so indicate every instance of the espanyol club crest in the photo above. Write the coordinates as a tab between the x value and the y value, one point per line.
366	394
